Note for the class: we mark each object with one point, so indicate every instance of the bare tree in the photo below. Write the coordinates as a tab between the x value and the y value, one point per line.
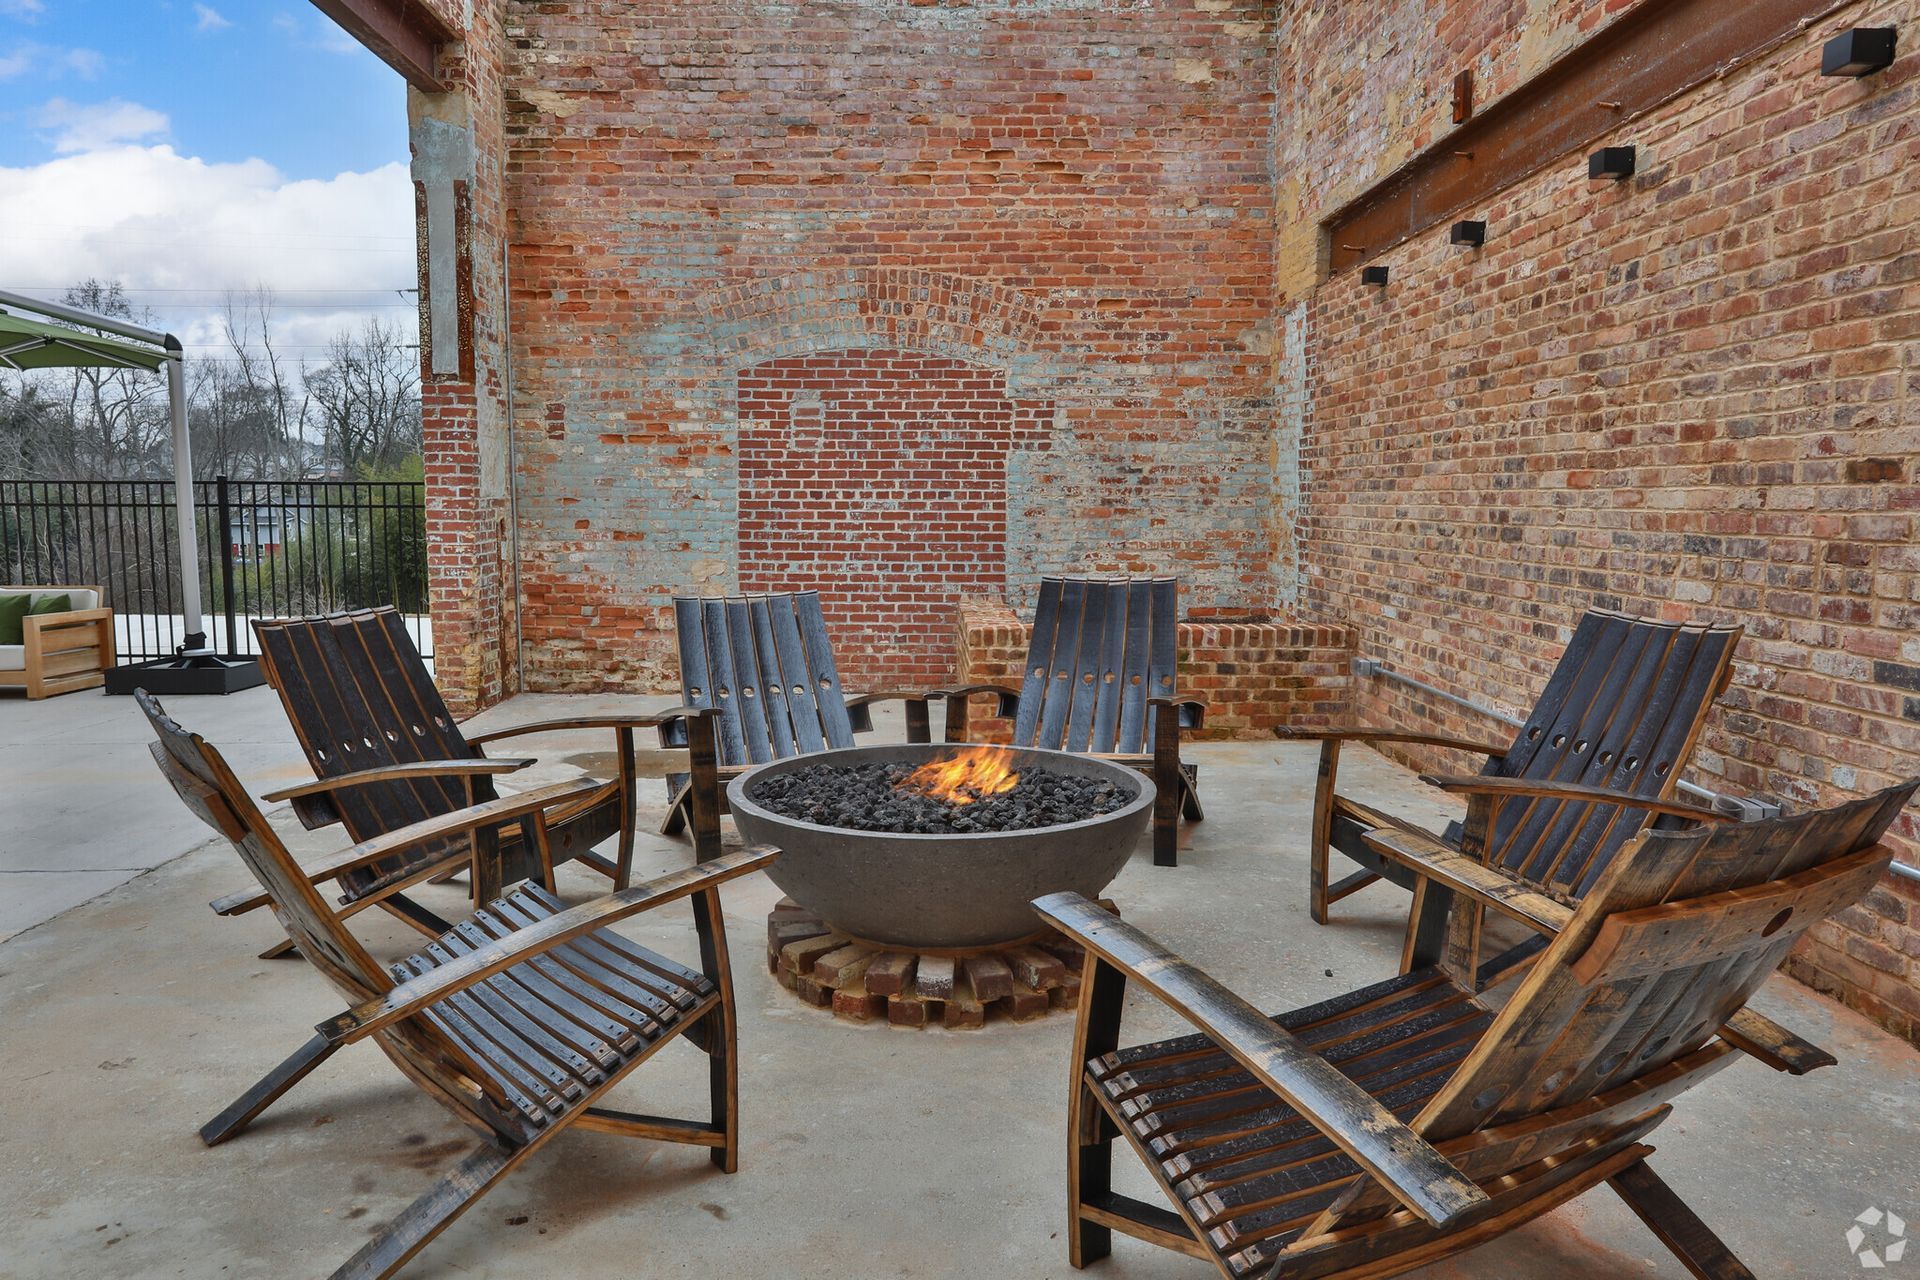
248	412
366	399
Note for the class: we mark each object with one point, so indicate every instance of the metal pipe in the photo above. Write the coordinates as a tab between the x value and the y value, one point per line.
1749	810
108	324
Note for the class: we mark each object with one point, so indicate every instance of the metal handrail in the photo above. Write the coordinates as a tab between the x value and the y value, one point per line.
1745	807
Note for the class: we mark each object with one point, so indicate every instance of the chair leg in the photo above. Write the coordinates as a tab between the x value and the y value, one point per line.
257	1099
676	819
723	1067
285	949
1168	781
1322	836
1089	1177
428	1216
629	794
1190	794
1668	1217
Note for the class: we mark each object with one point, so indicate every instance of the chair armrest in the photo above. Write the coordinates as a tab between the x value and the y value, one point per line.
1009	697
71	618
483	962
1291	734
1513	788
860	706
582	722
398	773
491	813
1405	1163
1763	1038
1451	869
673	724
1191	712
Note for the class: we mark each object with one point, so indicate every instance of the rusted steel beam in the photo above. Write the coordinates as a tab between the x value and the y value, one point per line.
1644	59
404	34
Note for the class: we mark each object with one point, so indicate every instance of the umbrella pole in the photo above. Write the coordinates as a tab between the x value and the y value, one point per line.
195	643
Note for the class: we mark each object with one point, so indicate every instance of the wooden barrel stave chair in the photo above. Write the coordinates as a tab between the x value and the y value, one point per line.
1617	720
1100	679
518	1019
387	752
1407	1121
762	666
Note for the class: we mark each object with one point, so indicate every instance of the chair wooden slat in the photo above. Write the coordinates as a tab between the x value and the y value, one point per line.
1162	640
1084	683
1112	673
724	671
746	682
1135	667
772	685
835	725
1038	673
803	693
1062	655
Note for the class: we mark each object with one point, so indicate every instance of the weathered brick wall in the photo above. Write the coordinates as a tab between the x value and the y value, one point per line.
878	478
1252	675
464	413
1070	198
1691	394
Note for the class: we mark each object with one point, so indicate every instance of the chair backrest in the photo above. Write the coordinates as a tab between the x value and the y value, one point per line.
1672	941
359	697
764	663
200	776
1622	710
1101	647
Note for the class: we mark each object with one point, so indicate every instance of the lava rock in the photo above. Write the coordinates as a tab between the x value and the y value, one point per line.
875	797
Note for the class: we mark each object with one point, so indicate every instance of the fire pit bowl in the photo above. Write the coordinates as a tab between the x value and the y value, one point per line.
944	891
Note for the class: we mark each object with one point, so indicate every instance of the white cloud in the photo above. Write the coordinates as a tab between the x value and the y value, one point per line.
177	232
28	9
94	126
50	62
209	18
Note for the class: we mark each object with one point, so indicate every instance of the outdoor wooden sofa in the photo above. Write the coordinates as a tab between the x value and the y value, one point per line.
60	652
1100	679
387	754
1616	722
1406	1121
518	1020
763	667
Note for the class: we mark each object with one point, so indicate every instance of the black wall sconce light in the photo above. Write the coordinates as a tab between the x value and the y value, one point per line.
1469	233
1611	162
1858	52
1373	275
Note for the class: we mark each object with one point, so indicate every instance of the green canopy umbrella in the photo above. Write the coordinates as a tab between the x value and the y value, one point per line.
32	342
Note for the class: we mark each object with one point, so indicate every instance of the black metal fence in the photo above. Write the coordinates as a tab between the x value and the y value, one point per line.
267	548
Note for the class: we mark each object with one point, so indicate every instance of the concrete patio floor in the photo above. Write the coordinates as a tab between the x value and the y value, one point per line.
869	1151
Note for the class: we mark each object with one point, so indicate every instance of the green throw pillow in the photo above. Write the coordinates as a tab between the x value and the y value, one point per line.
52	604
12	610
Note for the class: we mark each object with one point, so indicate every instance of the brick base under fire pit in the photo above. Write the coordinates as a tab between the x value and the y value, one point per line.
864	981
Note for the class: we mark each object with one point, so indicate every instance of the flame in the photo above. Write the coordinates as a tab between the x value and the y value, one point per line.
960	779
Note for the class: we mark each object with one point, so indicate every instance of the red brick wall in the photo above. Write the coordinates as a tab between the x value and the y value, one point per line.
1691	394
1073	196
878	478
1251	675
463	415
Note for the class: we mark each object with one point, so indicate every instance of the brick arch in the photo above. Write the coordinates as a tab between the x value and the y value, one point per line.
878	477
851	308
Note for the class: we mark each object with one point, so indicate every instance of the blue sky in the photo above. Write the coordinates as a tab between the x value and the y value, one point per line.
190	148
236	79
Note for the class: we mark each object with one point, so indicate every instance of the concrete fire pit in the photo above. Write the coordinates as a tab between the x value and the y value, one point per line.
941	892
